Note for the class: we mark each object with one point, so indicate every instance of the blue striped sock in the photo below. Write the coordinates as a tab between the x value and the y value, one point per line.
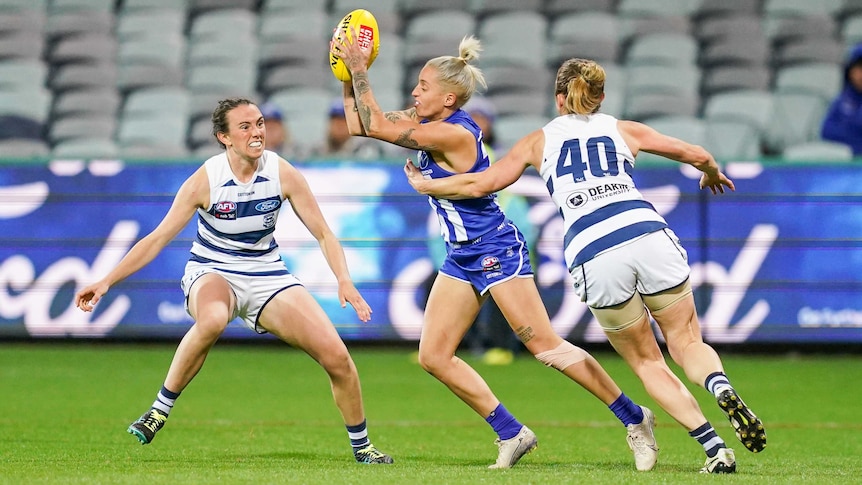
504	424
626	410
708	438
716	383
358	436
165	400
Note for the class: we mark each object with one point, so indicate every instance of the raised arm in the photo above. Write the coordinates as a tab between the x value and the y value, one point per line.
639	136
296	190
192	194
397	127
501	174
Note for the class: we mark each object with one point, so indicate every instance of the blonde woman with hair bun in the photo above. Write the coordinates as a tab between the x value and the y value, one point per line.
486	252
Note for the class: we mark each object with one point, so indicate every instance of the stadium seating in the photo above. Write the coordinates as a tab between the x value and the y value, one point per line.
90	58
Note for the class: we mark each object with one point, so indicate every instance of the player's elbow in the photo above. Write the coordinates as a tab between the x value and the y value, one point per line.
480	188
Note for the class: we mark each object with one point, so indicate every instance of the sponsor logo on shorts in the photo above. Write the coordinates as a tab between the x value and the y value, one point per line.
267	206
490	263
225	209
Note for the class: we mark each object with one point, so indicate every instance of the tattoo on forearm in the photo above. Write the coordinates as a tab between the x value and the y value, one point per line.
406	140
365	116
393	116
361	84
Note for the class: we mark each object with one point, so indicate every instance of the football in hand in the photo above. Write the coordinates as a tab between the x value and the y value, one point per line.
365	26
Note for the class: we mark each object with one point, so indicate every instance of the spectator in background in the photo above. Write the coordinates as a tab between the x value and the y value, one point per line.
277	133
843	121
340	144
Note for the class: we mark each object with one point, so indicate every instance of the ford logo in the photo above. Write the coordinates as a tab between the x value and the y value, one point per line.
267	206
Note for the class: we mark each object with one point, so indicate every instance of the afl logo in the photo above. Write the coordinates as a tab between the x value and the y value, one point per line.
267	206
225	207
577	199
490	263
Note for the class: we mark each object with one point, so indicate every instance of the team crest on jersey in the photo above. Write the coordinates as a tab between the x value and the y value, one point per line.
577	199
268	220
225	209
490	263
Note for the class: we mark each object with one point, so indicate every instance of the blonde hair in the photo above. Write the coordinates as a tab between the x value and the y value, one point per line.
457	73
583	83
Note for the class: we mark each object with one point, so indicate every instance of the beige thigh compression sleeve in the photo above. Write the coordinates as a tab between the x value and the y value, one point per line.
563	356
666	298
620	317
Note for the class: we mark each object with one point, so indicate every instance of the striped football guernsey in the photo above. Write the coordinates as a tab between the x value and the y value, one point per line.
463	220
587	168
237	228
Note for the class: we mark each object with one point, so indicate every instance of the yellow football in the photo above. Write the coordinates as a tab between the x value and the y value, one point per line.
365	26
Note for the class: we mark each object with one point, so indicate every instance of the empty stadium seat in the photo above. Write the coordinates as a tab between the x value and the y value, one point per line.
103	100
730	140
751	109
586	34
510	129
796	118
668	49
818	151
824	79
525	49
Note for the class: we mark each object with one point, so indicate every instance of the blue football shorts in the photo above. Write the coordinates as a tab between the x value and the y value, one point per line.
489	260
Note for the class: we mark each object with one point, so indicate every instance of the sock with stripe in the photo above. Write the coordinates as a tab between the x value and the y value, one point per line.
716	383
708	438
358	436
165	400
626	410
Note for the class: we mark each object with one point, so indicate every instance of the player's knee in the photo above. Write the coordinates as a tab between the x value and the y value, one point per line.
337	362
565	355
211	326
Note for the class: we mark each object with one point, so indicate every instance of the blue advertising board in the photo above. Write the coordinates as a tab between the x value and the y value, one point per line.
779	260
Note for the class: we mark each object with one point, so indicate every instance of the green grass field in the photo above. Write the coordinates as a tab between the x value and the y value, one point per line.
264	414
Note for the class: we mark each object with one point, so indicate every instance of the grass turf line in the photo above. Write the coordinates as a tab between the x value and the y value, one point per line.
264	414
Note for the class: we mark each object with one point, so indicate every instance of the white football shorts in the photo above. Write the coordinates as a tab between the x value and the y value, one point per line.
649	264
252	292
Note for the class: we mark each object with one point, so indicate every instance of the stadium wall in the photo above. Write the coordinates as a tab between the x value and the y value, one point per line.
778	261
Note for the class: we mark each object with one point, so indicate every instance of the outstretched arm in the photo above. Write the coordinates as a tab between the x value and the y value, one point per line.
502	173
296	189
642	137
193	193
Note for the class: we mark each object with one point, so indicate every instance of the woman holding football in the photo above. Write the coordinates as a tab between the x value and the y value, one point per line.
486	253
235	269
625	261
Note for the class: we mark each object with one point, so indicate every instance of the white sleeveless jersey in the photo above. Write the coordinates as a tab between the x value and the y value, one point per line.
587	166
237	228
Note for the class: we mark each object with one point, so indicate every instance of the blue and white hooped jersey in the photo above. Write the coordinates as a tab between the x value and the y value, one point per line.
587	166
463	220
237	228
